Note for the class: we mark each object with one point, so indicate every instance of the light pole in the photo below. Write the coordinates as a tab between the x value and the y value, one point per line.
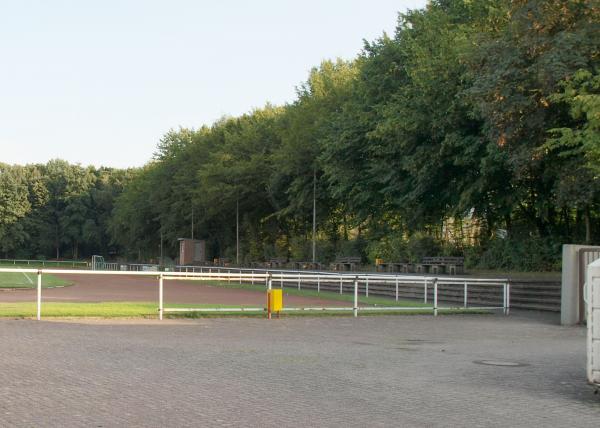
237	231
314	231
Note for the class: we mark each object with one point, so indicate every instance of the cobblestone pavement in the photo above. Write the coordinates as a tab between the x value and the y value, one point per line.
322	371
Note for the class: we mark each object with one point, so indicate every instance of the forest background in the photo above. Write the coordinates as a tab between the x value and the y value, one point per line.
473	130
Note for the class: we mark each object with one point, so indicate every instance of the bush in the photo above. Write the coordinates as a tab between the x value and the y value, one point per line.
352	248
421	245
532	254
300	248
390	248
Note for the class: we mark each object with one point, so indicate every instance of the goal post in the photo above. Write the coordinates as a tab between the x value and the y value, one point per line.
98	263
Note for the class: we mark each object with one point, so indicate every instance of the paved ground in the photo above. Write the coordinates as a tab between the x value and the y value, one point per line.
328	371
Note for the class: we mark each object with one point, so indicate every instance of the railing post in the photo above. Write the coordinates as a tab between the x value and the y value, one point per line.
507	297
465	298
355	308
281	278
435	297
160	297
252	278
425	290
367	287
299	281
396	288
504	298
318	283
39	295
341	284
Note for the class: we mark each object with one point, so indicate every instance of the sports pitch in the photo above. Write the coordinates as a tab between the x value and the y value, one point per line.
24	280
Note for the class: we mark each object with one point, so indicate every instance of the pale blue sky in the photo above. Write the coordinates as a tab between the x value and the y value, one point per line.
99	82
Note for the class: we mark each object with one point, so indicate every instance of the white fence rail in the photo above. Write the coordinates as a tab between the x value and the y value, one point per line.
319	280
44	263
396	285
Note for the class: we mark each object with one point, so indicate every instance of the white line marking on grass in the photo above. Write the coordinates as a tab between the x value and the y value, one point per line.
28	279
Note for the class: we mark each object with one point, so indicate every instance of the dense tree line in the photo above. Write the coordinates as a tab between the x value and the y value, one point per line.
474	129
57	210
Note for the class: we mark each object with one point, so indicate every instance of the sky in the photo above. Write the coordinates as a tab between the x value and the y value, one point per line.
99	82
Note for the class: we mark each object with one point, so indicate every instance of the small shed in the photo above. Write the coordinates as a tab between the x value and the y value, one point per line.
191	251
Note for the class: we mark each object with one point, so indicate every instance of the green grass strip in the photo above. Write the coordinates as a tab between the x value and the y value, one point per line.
150	310
90	309
29	280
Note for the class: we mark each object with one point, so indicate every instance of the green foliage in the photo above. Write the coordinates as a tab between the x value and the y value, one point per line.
484	114
421	245
523	255
57	209
390	248
582	96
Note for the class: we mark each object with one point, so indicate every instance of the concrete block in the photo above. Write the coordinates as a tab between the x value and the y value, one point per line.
569	307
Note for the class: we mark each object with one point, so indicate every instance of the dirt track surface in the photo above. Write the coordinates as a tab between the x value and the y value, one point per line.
108	288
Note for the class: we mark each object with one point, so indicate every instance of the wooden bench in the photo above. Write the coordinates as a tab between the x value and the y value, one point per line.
437	265
306	265
396	267
276	263
346	263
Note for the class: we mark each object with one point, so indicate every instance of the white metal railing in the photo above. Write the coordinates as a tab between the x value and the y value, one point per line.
318	279
297	279
44	263
116	266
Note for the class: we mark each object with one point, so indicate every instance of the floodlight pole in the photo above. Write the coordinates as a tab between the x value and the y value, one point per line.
237	231
314	231
161	246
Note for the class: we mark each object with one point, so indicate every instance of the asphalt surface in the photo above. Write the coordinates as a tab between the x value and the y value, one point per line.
324	371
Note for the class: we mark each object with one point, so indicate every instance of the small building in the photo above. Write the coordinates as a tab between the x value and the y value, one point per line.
191	251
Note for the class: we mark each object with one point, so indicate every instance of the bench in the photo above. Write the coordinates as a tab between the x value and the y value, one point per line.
223	262
346	263
276	263
436	265
396	267
306	265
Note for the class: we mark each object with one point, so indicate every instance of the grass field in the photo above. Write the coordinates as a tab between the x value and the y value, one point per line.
150	310
29	280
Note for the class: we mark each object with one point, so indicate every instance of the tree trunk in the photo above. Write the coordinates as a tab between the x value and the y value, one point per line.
57	241
567	222
588	225
345	228
508	224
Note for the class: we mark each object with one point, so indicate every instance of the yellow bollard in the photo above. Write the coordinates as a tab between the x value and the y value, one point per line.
274	301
